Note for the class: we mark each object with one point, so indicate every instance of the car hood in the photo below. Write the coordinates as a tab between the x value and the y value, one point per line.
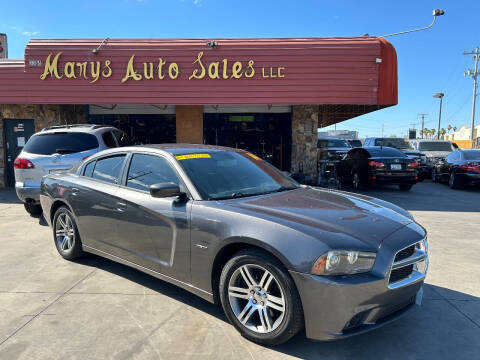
327	214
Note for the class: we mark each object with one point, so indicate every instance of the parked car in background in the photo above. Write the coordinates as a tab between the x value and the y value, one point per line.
229	227
433	150
354	142
332	148
460	168
59	149
377	165
404	145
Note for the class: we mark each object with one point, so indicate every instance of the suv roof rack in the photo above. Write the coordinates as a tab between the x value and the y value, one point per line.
67	126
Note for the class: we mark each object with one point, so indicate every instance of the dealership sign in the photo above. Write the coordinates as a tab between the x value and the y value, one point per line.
160	69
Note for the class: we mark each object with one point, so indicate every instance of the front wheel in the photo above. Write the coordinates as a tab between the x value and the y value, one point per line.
32	208
260	299
65	234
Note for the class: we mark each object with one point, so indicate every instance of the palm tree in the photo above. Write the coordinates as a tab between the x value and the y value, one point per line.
432	132
449	127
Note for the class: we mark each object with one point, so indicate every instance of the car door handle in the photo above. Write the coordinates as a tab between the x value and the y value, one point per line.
75	191
121	207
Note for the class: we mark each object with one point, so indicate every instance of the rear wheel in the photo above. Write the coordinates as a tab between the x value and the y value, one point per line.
32	208
405	187
356	181
260	299
454	181
65	234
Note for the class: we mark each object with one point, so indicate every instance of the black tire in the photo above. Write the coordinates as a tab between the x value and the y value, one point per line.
33	209
74	250
454	182
292	321
357	182
405	187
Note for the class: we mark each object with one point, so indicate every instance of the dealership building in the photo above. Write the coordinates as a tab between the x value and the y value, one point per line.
269	96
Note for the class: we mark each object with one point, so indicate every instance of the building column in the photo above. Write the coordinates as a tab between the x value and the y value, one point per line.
304	140
189	121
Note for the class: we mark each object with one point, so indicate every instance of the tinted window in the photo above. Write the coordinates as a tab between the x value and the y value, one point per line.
146	170
397	143
62	143
355	143
435	146
330	143
88	171
122	138
109	140
385	152
228	174
109	169
471	154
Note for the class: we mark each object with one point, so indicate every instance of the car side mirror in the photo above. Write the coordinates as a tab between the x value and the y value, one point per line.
164	190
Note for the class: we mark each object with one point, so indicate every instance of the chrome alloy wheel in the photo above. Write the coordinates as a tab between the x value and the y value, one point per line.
64	232
356	181
256	298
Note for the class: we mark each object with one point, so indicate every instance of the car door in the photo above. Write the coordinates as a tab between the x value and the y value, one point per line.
445	166
154	232
95	203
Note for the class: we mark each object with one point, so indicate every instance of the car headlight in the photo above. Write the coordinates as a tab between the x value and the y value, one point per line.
343	262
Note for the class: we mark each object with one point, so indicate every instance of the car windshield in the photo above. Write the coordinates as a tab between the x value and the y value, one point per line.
61	143
435	146
471	154
397	143
385	152
228	174
333	143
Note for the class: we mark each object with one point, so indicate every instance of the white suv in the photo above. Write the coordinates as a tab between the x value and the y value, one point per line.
59	149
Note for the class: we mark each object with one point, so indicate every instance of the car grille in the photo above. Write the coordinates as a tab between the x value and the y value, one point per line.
409	265
401	273
405	253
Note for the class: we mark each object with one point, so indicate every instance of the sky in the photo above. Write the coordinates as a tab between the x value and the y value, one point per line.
429	61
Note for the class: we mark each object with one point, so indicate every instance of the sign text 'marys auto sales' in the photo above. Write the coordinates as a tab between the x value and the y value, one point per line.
161	69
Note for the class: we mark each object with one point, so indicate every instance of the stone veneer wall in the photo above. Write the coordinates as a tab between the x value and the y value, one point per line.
43	116
304	139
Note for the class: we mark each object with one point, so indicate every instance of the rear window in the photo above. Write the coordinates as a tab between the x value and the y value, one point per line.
397	143
471	154
435	146
385	152
62	143
332	143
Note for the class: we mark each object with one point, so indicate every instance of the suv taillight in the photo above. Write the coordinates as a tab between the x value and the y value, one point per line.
470	167
413	164
23	164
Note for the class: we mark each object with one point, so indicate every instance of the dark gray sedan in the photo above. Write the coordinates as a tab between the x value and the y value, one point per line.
229	227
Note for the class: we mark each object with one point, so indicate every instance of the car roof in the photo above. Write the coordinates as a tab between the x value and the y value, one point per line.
430	140
330	138
185	148
76	128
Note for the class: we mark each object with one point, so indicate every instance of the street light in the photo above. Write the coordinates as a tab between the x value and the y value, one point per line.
439	96
436	12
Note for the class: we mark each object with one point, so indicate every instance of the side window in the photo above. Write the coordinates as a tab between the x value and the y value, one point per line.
88	170
122	138
108	169
109	140
146	170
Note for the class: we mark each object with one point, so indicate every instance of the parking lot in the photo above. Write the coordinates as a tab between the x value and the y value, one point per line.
97	309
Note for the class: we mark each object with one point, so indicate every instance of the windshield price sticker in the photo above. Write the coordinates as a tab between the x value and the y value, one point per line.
253	156
193	156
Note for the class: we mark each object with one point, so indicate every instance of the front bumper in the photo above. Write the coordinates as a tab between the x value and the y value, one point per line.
336	308
27	193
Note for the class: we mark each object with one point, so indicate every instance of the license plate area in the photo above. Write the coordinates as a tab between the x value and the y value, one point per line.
396	166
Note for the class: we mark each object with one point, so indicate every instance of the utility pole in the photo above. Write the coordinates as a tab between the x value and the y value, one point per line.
423	121
473	74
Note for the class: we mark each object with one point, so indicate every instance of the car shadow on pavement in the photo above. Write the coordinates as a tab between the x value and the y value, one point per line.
446	320
9	196
152	283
